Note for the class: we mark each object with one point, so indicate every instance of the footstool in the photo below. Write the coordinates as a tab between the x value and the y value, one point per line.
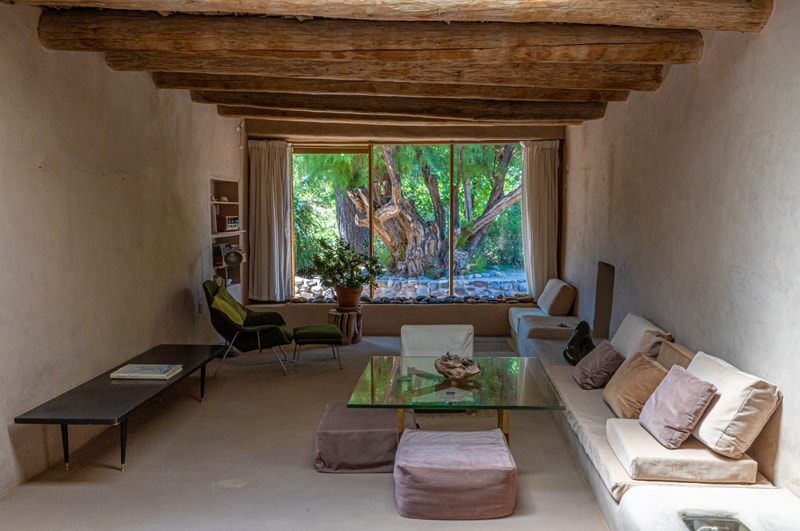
454	475
323	334
357	439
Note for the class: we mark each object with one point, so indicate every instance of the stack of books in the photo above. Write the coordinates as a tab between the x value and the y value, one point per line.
146	371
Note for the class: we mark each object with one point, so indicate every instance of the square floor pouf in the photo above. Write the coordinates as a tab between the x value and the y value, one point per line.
454	475
353	440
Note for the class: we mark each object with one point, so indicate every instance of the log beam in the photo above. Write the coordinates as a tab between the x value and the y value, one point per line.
264	113
315	132
547	75
471	110
234	83
725	15
353	40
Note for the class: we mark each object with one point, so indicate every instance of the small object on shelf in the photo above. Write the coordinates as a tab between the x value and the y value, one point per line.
227	223
146	371
455	367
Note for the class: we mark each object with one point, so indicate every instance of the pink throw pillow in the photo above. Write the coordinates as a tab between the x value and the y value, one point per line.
596	368
675	407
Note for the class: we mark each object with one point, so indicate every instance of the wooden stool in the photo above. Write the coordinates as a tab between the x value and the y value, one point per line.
454	475
349	323
353	440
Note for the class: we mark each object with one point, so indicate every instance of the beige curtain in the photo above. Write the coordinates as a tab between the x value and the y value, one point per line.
540	212
270	255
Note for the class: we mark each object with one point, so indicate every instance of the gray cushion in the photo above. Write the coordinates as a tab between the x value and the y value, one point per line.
597	367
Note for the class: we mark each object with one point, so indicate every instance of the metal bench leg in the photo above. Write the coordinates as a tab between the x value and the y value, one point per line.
65	444
227	351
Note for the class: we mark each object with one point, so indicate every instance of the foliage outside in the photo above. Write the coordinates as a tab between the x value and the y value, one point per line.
339	264
411	203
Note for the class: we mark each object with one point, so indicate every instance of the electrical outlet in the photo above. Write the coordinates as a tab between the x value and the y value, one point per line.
200	308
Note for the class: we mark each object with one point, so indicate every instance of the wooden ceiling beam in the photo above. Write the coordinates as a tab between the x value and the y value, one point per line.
355	40
262	113
725	15
240	83
317	132
467	110
547	75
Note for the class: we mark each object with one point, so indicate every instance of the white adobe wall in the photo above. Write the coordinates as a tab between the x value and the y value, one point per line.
104	240
693	194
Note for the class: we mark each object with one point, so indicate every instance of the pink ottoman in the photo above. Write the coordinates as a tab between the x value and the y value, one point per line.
357	439
454	475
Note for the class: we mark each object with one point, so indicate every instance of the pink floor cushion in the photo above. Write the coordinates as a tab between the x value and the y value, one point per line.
454	475
353	440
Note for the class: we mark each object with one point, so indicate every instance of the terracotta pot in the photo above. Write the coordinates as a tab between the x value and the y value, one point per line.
347	298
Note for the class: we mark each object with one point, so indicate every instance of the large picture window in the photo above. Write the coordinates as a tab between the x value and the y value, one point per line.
444	220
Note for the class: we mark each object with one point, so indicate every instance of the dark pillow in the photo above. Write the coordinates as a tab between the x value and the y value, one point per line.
675	407
594	370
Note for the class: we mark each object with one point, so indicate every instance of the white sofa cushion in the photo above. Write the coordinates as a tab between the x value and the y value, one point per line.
743	404
637	334
645	458
557	297
515	314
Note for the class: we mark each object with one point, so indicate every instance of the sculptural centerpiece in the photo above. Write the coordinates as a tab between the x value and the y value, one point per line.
454	367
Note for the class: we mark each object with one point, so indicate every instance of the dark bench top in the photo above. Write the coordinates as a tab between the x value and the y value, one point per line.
103	400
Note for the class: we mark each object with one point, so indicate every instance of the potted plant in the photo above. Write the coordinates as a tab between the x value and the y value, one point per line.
341	267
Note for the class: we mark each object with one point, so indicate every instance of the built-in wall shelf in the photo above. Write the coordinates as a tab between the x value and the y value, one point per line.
227	233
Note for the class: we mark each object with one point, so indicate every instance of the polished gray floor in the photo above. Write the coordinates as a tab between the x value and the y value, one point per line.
242	459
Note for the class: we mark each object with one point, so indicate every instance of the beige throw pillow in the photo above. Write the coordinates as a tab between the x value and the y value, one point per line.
557	297
738	412
632	384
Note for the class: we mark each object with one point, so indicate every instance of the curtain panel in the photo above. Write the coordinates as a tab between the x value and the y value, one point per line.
540	212
270	255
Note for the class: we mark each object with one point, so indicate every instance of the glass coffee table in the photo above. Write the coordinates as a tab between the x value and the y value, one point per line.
411	382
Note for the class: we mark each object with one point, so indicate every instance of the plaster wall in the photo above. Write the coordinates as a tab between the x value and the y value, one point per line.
104	240
693	194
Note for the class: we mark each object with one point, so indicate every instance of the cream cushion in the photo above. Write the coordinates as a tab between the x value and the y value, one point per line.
557	297
743	404
644	458
637	334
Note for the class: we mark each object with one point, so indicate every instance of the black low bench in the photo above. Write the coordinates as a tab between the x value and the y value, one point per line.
104	400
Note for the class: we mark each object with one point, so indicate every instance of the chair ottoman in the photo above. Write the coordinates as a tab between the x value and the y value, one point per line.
351	440
454	475
322	334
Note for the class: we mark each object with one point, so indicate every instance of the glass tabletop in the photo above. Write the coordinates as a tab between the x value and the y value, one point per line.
413	382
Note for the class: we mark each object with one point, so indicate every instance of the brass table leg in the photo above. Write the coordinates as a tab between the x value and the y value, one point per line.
401	423
503	423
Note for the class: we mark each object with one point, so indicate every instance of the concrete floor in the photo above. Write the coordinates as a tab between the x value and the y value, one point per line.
242	460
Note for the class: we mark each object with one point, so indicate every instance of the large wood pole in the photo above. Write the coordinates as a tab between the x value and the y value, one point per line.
730	15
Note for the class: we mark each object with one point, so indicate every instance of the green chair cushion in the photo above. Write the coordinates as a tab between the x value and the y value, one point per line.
219	303
323	334
223	293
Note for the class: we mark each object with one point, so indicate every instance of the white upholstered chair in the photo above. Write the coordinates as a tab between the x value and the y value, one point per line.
437	340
